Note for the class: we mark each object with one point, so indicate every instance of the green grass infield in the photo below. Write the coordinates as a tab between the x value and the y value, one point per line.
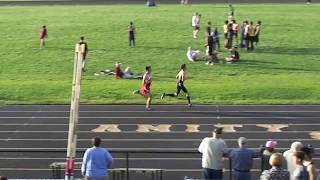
284	69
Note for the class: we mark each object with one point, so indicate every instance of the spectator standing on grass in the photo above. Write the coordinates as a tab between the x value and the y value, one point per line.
212	149
235	29
229	36
231	10
216	38
257	30
275	172
242	160
210	44
131	33
289	156
184	2
225	31
197	26
43	34
300	172
208	29
85	53
266	154
96	162
308	163
194	24
250	37
243	34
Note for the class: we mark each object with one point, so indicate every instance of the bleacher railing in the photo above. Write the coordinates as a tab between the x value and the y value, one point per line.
127	154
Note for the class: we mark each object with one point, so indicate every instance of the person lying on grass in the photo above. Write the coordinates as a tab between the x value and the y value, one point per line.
193	55
119	74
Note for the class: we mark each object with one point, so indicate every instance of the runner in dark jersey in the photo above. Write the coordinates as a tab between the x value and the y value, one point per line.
131	33
43	34
181	77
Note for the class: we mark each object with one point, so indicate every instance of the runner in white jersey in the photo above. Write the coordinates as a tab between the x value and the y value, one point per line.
181	77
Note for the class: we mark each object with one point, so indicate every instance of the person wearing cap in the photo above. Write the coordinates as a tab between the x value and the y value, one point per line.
276	172
242	160
212	149
289	156
266	154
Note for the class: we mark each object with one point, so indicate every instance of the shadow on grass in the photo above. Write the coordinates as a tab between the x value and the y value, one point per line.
273	66
289	51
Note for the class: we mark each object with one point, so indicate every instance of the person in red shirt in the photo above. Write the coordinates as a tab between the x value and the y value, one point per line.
117	71
43	34
145	89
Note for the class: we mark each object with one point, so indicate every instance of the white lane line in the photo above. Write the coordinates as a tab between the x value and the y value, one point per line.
169	117
153	140
155	132
120	159
166	170
120	149
163	111
134	124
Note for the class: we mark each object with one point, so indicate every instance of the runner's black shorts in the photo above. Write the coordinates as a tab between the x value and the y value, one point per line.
180	86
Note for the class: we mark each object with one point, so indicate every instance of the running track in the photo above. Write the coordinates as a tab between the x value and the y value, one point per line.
44	127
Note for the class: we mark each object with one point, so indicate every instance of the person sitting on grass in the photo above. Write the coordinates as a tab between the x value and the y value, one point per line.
234	55
119	74
193	55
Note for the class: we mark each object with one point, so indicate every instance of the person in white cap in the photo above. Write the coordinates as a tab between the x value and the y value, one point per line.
289	156
268	151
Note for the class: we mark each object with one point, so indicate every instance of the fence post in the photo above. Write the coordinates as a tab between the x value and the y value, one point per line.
230	169
127	166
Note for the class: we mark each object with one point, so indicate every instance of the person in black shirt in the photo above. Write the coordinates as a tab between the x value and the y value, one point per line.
208	28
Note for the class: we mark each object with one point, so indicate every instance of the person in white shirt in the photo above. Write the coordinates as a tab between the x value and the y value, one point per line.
193	55
213	150
289	156
195	22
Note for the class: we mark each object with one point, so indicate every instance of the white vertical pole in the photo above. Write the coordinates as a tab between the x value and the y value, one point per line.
74	112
